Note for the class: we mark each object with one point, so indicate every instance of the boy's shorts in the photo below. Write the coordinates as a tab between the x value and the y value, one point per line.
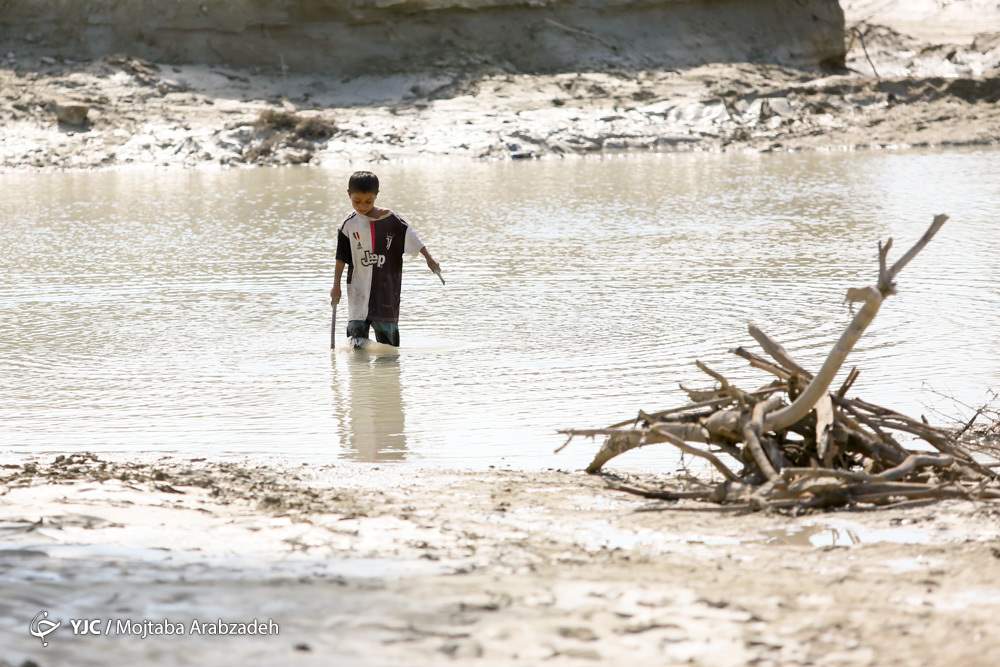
385	332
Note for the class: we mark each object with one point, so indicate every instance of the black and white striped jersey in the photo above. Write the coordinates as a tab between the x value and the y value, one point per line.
373	251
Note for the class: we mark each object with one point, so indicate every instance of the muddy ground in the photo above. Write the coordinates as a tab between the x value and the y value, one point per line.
119	110
395	565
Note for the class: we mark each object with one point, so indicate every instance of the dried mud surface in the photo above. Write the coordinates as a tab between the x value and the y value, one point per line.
120	110
394	565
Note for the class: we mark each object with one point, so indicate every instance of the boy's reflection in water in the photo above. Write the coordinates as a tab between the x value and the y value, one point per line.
371	409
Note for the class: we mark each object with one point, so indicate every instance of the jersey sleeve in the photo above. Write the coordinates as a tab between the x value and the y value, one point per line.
343	247
412	243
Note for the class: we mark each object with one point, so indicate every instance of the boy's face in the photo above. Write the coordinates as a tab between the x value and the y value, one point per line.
363	202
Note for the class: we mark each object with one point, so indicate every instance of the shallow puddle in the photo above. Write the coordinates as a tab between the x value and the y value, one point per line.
825	535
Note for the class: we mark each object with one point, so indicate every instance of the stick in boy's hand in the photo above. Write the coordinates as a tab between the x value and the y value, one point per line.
438	274
334	300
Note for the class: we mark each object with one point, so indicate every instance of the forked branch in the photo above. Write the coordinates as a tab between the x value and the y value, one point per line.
799	445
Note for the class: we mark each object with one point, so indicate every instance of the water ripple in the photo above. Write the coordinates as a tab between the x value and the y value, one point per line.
189	313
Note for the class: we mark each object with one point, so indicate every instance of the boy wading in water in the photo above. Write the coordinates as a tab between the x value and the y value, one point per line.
371	243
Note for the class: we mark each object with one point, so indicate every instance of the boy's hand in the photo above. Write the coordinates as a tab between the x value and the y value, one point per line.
335	295
432	265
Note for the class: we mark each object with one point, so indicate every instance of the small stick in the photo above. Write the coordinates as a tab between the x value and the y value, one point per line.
912	462
883	254
761	363
694	451
753	430
777	352
848	383
658	494
683	508
857	33
715	375
870	423
939	220
824	429
717	402
333	327
969	424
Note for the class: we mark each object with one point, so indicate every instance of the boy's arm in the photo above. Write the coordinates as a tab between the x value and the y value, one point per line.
335	291
431	264
412	245
343	258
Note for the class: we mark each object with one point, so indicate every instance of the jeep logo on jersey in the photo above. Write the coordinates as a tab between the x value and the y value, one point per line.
371	259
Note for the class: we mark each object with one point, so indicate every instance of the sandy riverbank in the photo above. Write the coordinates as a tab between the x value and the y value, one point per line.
120	110
391	565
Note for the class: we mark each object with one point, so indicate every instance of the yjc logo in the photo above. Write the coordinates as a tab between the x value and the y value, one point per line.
86	626
371	259
41	626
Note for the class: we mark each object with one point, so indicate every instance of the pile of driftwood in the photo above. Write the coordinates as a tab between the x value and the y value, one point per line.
796	443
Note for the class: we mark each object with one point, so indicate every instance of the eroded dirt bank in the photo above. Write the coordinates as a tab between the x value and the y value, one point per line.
390	565
347	38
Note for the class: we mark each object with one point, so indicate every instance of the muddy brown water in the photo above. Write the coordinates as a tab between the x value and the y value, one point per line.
186	312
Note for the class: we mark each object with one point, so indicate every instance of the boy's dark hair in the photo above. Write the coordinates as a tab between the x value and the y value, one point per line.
363	181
